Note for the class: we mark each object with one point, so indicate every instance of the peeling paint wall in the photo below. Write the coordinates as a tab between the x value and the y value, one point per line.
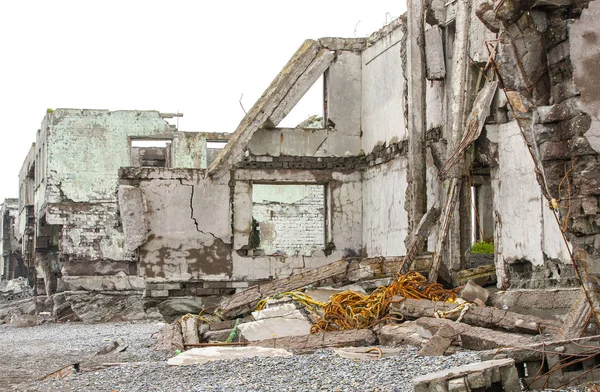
78	154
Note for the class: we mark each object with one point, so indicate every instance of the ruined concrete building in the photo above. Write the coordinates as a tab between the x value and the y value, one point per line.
11	262
482	113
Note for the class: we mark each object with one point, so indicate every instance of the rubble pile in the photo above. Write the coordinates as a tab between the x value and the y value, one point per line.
409	311
14	289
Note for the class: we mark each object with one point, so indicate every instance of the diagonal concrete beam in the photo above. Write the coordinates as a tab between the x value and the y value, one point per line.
296	76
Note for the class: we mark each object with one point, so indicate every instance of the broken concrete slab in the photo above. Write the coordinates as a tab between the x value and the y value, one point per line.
288	311
176	307
216	336
244	302
352	337
548	303
293	325
439	343
487	317
118	346
401	334
555	364
202	355
470	337
189	329
169	338
498	373
106	306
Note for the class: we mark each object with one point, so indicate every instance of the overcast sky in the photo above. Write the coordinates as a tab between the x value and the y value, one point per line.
194	57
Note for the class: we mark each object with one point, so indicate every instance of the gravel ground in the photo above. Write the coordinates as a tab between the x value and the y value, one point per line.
321	371
30	353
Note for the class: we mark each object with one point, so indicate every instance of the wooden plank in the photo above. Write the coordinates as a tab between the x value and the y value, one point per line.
486	317
451	198
245	301
352	337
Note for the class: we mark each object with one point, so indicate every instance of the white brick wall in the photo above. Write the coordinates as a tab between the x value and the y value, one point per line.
291	218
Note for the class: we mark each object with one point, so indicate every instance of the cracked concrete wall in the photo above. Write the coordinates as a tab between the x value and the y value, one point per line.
189	229
383	89
385	220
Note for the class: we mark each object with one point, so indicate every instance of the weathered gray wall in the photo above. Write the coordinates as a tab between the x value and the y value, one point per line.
383	91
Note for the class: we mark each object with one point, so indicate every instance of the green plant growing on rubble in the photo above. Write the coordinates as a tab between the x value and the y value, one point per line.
483	248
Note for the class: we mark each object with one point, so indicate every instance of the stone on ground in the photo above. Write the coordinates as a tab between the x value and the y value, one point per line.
206	354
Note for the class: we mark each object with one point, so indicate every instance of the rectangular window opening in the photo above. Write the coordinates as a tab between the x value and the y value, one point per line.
288	220
151	153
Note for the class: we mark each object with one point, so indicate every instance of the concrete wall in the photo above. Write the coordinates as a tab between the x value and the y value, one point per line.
189	221
343	221
383	92
385	220
527	231
188	224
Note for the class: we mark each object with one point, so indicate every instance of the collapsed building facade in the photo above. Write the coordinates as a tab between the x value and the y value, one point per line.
482	114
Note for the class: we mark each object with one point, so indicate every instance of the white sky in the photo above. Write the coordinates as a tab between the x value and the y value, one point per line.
195	57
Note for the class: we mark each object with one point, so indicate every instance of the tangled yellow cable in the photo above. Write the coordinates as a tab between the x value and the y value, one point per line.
350	310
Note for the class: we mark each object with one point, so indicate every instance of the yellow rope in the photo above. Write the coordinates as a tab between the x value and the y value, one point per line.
350	310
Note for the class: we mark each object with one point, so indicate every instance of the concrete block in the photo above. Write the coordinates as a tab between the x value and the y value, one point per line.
473	291
274	328
457	379
159	293
171	286
287	311
400	334
438	343
458	385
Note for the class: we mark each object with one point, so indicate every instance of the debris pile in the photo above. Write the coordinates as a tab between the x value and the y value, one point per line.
298	314
14	289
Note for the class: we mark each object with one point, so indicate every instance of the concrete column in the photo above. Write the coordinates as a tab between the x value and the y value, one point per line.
416	74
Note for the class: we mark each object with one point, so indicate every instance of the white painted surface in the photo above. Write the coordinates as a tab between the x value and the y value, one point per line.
528	229
385	222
